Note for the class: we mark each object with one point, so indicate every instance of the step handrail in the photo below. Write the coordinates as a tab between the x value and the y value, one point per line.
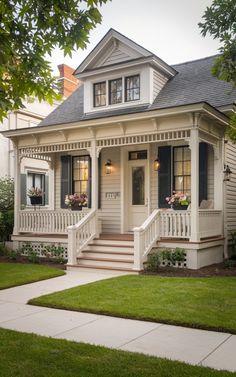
145	237
80	234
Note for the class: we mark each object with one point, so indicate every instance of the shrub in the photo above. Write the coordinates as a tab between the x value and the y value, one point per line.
54	252
153	262
6	225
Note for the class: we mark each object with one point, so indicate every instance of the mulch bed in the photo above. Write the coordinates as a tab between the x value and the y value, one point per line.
25	260
208	271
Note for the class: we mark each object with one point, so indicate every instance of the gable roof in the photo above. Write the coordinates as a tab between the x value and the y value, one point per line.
193	83
115	47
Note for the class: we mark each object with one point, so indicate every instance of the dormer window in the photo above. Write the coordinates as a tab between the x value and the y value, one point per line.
132	88
99	90
115	91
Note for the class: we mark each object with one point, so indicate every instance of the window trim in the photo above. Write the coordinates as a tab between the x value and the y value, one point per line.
109	90
94	95
126	90
183	175
89	177
42	183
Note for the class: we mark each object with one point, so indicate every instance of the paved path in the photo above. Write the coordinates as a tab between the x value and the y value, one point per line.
198	347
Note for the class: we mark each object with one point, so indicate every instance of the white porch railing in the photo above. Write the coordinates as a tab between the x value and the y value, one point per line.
210	223
80	234
175	224
145	237
48	222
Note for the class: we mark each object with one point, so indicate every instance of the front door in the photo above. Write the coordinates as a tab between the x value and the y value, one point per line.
137	193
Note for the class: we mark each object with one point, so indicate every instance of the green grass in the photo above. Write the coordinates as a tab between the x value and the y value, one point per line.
13	274
207	303
27	355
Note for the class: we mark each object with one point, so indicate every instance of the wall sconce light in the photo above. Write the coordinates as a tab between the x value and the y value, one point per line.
108	166
156	164
227	171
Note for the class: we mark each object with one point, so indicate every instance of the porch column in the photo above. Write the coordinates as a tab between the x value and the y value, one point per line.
17	190
51	185
194	146
218	176
94	180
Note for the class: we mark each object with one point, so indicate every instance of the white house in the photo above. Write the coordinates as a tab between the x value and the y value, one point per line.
131	109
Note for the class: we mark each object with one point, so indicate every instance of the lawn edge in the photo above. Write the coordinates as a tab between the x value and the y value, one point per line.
34	302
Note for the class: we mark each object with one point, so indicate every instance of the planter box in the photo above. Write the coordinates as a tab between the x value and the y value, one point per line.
36	200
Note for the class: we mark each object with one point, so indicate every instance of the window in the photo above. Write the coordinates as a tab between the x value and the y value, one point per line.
138	155
99	94
115	91
182	169
35	180
81	175
132	88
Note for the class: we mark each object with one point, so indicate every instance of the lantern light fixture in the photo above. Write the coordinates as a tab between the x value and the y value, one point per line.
108	166
156	164
227	172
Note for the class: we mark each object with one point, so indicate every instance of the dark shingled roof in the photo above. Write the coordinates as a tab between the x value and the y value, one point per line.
193	83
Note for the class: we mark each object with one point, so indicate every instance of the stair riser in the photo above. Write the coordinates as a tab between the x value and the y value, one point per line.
110	248
96	263
108	255
113	242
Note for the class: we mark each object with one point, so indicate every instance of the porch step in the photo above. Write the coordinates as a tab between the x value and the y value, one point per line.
113	249
105	262
118	271
109	253
118	243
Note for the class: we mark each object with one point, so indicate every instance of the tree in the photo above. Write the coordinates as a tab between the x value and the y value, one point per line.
6	194
6	208
220	22
29	29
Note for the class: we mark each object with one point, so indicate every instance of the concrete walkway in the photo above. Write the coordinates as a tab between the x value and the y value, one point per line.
198	347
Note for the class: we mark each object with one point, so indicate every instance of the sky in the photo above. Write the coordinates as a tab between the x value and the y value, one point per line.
168	28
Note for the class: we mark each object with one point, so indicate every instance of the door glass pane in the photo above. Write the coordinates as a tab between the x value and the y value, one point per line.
138	184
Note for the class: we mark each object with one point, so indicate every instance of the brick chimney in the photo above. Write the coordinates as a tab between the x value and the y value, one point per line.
68	82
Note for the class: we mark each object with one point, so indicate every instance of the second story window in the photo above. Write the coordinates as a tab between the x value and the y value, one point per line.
115	91
132	88
99	94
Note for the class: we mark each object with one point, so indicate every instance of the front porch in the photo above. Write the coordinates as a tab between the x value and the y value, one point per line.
85	246
131	198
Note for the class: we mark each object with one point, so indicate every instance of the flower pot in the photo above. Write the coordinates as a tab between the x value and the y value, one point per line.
179	207
36	200
76	208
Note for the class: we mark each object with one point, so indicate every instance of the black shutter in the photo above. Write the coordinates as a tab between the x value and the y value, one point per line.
90	183
66	178
164	175
203	170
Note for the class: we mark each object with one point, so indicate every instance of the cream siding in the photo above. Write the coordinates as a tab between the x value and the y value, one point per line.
158	83
110	212
116	56
230	188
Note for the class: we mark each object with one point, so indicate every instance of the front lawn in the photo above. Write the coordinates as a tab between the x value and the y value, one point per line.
27	355
13	274
207	303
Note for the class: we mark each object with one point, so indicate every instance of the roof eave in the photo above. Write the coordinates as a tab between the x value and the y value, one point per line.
171	111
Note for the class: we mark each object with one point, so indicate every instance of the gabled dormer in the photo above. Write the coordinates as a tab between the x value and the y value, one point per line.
119	73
